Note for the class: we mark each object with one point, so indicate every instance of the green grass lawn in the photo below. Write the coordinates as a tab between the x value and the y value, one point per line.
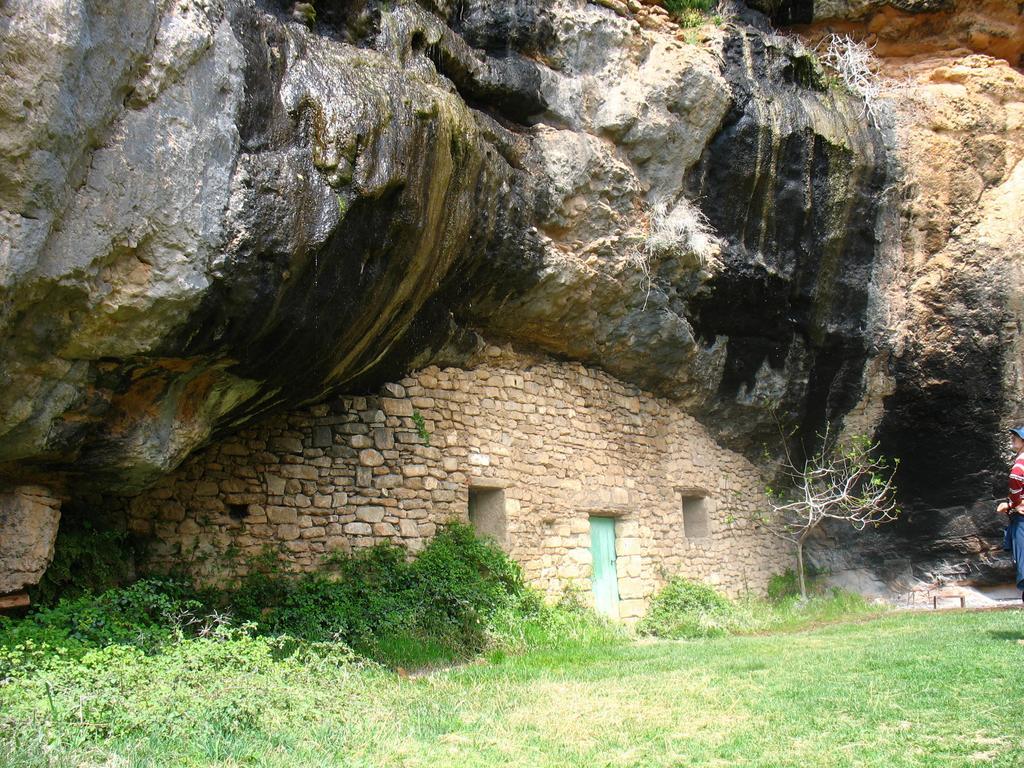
927	689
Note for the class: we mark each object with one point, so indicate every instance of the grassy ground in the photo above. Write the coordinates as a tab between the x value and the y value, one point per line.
930	689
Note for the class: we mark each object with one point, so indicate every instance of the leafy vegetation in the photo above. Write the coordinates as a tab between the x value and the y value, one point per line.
906	691
686	609
441	606
285	671
787	584
689	13
86	559
421	427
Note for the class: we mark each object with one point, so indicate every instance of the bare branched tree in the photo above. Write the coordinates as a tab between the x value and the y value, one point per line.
850	482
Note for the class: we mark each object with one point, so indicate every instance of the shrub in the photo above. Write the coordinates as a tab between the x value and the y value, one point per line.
368	595
678	7
462	579
685	609
689	13
786	584
385	605
147	615
85	559
460	595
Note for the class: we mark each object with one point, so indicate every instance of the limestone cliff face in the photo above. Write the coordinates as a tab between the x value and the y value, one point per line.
213	210
947	379
900	28
217	209
245	213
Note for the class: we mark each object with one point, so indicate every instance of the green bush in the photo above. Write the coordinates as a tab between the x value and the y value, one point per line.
684	609
786	584
147	615
677	7
368	595
454	599
689	13
85	559
391	608
461	580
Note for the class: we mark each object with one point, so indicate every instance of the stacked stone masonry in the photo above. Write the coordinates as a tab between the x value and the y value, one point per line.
562	441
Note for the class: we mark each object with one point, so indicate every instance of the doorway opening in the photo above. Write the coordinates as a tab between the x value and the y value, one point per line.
604	577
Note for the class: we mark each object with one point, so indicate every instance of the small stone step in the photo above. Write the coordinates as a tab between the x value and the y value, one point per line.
14	600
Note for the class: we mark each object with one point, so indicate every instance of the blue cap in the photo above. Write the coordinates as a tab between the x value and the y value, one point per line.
1018	431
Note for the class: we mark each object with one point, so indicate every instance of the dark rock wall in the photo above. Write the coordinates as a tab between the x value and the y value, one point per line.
797	207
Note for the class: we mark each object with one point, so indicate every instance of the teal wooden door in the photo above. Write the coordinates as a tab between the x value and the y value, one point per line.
604	579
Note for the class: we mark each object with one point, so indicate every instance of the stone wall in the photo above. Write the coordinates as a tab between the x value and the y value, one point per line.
560	441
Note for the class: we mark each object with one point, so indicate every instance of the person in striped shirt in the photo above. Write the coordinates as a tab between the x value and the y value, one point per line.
1013	507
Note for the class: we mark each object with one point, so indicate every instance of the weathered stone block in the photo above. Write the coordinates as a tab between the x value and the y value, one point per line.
279	515
285	444
630	588
358	529
383	438
275	485
299	471
233	485
631	609
396	407
323	437
28	530
207	488
172	512
370	514
371	458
